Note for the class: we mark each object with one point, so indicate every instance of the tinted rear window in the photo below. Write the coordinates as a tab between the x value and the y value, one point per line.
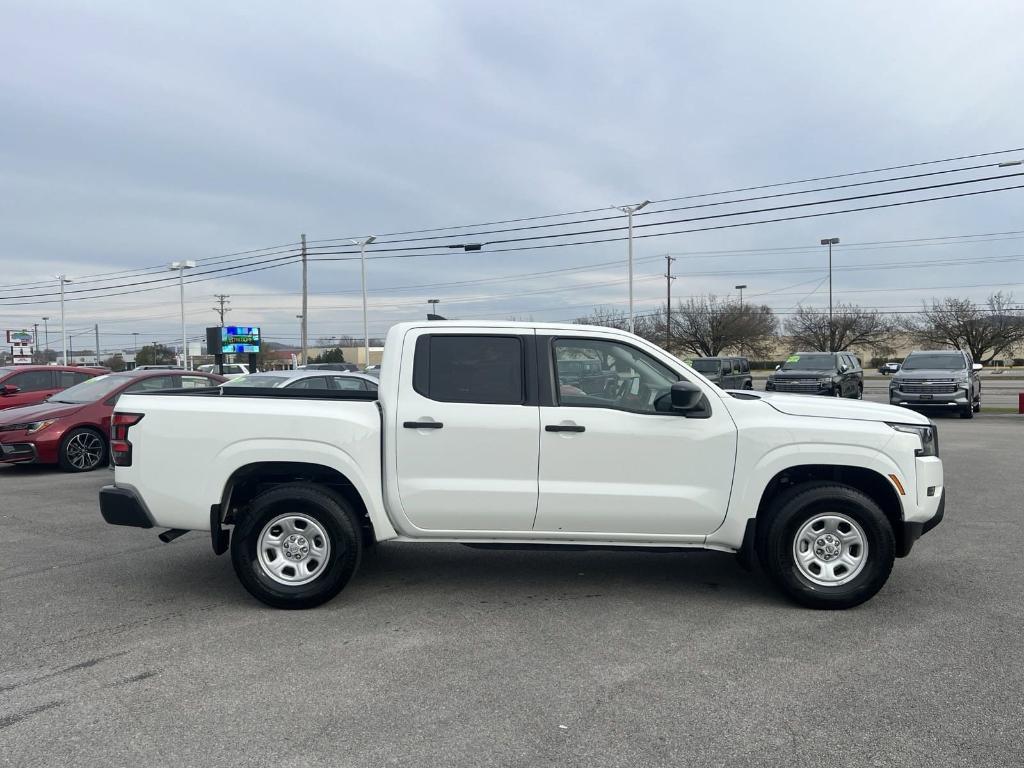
471	369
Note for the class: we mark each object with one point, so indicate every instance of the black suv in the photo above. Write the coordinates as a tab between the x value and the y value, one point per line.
837	374
945	379
726	372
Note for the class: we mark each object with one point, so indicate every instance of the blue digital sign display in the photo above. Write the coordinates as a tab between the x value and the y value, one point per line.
239	339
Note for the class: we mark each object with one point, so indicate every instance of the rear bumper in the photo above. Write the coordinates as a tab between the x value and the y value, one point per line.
123	506
912	531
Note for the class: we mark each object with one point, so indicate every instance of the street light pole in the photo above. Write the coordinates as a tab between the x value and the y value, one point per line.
432	307
181	266
63	279
629	210
740	289
830	241
362	260
46	335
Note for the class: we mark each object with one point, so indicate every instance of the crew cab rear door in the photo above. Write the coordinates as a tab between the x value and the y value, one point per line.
466	430
610	463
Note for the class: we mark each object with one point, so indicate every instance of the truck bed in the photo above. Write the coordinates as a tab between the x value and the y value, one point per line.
208	436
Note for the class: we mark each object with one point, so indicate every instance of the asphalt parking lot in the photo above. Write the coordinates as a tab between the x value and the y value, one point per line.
120	650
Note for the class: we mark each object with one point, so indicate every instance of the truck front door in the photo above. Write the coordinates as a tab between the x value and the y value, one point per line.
610	463
466	433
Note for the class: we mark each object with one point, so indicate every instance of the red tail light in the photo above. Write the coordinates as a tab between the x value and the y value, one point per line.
120	448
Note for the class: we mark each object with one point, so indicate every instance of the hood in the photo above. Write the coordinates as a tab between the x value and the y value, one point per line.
804	373
838	408
930	373
27	413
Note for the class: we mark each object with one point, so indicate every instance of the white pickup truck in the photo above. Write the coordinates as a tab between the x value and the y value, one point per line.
506	434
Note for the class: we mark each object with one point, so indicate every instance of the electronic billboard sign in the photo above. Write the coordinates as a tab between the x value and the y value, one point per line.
239	339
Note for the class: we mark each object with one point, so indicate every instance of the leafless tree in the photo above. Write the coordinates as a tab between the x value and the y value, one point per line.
851	326
644	324
709	326
984	331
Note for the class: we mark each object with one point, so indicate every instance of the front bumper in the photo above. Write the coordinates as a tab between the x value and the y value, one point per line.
912	531
958	399
123	506
17	453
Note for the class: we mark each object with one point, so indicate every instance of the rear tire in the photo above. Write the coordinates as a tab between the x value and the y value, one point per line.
827	546
297	547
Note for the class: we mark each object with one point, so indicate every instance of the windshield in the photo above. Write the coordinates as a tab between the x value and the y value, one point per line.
257	380
92	390
706	366
814	362
942	361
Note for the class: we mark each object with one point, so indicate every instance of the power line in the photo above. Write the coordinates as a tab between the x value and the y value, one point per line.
618	216
695	196
692	230
138	271
161	287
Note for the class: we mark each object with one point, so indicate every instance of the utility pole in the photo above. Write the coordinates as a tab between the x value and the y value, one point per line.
366	328
305	302
222	299
35	341
830	241
96	330
181	266
740	289
63	279
668	302
629	210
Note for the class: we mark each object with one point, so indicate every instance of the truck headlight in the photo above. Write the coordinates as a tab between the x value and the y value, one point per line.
825	380
928	435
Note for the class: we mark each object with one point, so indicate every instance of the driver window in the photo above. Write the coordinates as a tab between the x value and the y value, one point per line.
608	374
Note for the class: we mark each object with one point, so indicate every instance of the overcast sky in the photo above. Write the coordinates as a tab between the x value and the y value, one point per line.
138	133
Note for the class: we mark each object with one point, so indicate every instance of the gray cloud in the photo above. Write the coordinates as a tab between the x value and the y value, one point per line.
136	134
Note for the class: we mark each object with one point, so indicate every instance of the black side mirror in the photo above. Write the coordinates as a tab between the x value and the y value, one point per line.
685	396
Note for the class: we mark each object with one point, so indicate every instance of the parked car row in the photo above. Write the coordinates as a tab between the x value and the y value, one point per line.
62	416
945	379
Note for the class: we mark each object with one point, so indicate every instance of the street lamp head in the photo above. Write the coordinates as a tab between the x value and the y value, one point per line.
433	301
1008	163
739	287
830	241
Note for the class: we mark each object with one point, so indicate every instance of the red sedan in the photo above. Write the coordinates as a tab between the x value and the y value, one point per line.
31	384
72	428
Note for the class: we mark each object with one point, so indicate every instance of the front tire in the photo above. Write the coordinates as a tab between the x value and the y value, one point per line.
967	412
828	546
82	450
297	547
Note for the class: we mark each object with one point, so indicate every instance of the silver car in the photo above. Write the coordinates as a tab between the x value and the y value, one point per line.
307	379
